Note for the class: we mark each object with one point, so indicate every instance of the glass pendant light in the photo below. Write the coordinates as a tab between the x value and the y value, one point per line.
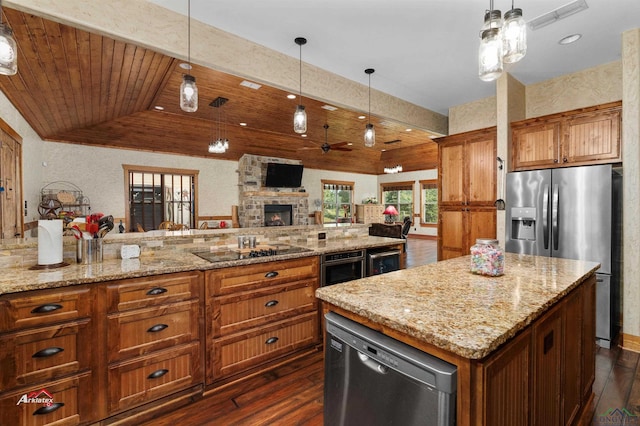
514	36
188	88
219	146
300	116
490	63
369	132
8	49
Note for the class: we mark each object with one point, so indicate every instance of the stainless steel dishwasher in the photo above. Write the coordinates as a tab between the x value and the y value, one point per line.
372	379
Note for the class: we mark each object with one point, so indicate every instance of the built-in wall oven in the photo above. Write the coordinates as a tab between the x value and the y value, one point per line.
340	267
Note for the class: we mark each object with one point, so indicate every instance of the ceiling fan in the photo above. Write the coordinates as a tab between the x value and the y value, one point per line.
326	147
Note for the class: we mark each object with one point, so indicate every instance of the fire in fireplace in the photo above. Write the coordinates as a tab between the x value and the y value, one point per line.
278	214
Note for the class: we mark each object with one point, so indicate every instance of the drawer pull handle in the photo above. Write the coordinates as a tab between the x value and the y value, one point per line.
47	409
45	309
271	340
271	303
158	327
47	352
157	374
156	291
271	274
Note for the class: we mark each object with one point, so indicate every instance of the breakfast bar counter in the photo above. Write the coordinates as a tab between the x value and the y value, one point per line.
506	334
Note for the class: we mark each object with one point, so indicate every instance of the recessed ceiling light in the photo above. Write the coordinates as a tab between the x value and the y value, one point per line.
185	66
290	96
243	124
350	143
362	117
408	130
250	84
158	108
570	39
329	107
383	150
303	135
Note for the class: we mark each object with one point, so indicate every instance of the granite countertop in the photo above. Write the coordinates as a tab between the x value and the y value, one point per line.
445	305
19	279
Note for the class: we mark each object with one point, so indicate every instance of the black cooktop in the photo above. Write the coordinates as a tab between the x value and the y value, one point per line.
231	254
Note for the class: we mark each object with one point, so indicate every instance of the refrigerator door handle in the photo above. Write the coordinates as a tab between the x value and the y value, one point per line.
545	216
554	217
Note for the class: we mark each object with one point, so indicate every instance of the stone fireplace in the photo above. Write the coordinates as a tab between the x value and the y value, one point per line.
278	215
254	197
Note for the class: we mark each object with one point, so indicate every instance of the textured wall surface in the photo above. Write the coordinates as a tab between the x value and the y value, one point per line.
593	86
472	116
631	182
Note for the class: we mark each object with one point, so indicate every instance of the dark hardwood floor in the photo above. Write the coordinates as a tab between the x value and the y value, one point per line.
292	394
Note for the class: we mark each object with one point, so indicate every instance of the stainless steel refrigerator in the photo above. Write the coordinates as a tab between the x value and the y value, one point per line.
574	213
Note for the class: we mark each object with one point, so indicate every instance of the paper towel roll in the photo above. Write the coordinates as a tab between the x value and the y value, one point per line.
49	242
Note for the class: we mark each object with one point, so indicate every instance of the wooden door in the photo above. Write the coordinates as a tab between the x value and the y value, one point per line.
592	138
536	145
10	184
547	359
450	234
451	174
480	223
481	171
571	372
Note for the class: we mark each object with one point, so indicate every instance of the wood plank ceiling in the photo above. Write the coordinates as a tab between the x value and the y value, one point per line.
73	86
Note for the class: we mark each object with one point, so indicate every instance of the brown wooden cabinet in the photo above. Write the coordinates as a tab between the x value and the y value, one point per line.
153	338
573	138
466	191
45	341
257	313
369	213
548	369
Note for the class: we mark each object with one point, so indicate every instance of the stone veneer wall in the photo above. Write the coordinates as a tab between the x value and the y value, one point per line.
253	195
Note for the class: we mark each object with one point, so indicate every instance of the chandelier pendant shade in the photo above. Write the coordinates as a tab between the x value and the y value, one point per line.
219	145
501	41
300	116
8	49
369	130
188	88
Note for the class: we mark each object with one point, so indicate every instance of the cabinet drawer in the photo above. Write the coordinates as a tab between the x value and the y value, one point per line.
250	309
136	293
71	405
43	308
153	376
144	330
243	350
42	354
229	280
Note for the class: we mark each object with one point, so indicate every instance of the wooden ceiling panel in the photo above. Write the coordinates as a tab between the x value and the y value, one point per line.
77	87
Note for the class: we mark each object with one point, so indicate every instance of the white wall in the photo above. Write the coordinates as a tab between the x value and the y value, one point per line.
364	185
416	177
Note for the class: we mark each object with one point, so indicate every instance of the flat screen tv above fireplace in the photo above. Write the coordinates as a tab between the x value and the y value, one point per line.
283	175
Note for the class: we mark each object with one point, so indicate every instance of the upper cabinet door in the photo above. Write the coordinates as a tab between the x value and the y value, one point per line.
481	171
452	174
592	138
536	146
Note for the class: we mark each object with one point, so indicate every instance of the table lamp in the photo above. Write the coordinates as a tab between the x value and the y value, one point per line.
390	213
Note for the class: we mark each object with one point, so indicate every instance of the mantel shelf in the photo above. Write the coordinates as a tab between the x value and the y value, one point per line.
274	194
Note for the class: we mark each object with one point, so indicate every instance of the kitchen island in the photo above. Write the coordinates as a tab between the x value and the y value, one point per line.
523	343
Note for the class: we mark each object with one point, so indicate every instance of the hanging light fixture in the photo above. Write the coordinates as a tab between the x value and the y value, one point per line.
188	88
394	169
369	132
8	49
300	116
501	42
490	63
219	145
514	35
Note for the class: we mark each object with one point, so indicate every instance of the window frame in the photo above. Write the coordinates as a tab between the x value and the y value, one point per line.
433	182
351	204
384	187
130	168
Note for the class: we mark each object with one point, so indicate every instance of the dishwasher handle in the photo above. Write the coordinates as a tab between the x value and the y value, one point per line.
373	364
